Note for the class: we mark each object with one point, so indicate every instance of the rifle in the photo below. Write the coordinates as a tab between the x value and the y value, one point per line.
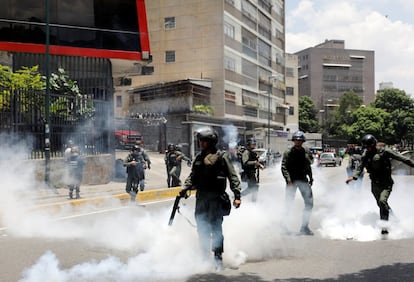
174	210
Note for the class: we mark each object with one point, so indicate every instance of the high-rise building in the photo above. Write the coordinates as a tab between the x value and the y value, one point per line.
214	63
328	70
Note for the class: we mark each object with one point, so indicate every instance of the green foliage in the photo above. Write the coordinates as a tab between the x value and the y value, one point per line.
308	121
28	85
341	117
390	118
205	109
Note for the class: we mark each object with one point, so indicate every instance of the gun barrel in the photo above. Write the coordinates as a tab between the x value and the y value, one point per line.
174	210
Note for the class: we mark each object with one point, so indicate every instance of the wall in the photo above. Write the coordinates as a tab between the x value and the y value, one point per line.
97	170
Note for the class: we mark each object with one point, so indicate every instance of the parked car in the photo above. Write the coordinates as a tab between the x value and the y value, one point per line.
329	158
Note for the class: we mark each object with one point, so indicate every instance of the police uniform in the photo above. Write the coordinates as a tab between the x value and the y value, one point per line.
135	172
378	164
173	159
75	165
209	178
296	169
249	166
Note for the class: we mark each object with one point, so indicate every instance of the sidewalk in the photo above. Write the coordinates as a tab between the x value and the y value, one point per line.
155	186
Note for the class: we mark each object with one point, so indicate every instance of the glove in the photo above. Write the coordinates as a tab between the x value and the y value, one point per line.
189	163
311	182
183	193
149	166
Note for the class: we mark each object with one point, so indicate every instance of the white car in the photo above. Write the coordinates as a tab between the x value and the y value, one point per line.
329	158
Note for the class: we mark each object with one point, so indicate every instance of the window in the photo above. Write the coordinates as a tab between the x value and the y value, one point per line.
229	63
169	23
289	91
169	56
291	110
229	29
290	72
118	101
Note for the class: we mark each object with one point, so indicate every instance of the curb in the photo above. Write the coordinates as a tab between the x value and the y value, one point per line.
142	197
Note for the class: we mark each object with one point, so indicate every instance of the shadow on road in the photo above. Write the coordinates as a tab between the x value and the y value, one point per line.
396	272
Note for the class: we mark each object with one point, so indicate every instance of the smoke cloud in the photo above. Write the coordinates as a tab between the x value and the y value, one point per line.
158	251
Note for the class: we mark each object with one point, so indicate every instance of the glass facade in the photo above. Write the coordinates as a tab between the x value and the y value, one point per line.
98	24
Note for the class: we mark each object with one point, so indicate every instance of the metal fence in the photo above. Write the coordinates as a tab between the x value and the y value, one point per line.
22	115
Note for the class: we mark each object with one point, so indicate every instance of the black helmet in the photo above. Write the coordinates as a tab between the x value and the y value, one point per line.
136	148
171	146
209	135
251	141
299	135
368	140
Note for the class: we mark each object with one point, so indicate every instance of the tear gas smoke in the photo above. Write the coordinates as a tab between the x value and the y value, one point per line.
251	232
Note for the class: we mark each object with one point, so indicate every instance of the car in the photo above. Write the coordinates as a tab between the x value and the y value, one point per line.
329	158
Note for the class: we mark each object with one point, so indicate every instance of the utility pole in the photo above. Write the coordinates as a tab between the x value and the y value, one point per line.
47	99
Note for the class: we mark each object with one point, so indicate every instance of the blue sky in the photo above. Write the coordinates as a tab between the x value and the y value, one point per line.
384	26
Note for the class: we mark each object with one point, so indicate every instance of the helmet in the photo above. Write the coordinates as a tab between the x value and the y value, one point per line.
136	148
368	140
209	135
171	146
251	141
299	135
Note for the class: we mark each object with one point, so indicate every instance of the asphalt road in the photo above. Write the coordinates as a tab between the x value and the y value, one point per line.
121	243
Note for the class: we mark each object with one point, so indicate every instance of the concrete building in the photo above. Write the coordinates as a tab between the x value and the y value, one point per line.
328	70
214	62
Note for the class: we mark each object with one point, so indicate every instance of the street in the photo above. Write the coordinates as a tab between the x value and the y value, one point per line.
134	243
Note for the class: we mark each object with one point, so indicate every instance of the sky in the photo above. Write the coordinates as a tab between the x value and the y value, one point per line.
384	26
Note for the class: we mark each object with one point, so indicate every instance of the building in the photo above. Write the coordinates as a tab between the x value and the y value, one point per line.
217	63
88	39
328	70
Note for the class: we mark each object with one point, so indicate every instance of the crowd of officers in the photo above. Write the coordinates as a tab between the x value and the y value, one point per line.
212	169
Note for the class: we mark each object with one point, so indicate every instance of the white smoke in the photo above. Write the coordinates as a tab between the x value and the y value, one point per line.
156	251
230	136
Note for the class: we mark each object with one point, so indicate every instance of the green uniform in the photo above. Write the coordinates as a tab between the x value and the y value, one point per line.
296	169
209	174
249	159
173	161
378	164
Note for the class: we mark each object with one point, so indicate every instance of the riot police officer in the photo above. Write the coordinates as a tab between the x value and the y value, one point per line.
135	165
297	171
209	173
75	165
250	166
377	161
173	159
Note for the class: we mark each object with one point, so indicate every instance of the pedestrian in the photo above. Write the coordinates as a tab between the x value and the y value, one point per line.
147	166
377	161
75	164
297	171
355	155
209	173
173	159
251	166
135	165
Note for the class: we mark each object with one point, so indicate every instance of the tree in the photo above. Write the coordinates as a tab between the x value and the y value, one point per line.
368	120
348	103
308	121
401	109
27	87
70	103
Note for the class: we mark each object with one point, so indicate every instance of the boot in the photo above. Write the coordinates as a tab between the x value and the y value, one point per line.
218	261
77	193
70	195
304	230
